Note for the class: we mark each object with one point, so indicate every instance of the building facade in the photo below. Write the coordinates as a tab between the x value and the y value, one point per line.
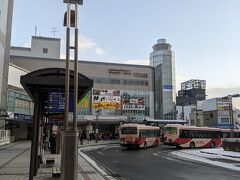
162	59
216	112
6	9
191	91
19	106
121	92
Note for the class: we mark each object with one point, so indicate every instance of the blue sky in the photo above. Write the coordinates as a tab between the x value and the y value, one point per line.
204	34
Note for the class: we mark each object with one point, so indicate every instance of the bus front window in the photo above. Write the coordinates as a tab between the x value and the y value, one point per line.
129	130
170	130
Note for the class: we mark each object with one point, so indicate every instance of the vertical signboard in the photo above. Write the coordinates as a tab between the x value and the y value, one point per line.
223	107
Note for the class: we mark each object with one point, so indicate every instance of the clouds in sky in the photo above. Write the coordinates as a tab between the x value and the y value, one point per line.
136	61
86	44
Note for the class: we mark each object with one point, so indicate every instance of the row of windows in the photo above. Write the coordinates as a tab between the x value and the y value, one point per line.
121	82
148	133
199	134
227	134
19	103
129	130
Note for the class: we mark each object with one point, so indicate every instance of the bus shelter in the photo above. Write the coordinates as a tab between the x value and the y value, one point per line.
41	85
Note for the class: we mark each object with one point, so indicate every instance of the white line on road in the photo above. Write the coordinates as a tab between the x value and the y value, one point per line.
95	165
100	153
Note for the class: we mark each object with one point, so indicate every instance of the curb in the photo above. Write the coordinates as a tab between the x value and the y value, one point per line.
97	144
209	153
220	154
102	170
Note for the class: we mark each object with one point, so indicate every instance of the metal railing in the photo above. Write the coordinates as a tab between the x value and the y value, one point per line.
4	137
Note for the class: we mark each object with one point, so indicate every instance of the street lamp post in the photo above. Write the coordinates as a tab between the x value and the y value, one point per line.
182	106
69	153
96	129
231	113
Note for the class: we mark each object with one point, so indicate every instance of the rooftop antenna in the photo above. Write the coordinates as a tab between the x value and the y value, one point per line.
35	30
54	31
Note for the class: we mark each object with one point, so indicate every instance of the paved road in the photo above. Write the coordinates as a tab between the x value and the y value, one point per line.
156	163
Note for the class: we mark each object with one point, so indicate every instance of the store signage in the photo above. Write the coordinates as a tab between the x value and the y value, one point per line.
223	106
142	75
133	103
119	71
22	117
167	88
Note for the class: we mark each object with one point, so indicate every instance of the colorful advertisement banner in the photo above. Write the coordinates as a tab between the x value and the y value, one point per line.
106	99
133	103
85	102
223	106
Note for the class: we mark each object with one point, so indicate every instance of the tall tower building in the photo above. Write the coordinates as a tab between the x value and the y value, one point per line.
6	9
163	60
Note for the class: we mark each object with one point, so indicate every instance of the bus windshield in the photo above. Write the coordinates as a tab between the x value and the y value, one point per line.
170	130
129	130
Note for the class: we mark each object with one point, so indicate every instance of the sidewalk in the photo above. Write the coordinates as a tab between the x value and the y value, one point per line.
215	156
15	162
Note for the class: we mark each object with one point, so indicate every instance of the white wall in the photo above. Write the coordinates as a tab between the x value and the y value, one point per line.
14	75
210	104
53	46
19	51
187	110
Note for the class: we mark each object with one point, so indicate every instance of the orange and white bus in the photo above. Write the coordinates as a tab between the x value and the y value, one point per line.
139	136
191	136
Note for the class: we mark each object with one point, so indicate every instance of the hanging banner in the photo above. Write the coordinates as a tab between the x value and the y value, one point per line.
106	99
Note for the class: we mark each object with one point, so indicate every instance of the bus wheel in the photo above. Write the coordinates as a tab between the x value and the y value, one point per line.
212	145
145	145
192	145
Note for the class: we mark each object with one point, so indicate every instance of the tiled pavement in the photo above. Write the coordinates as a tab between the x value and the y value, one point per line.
15	161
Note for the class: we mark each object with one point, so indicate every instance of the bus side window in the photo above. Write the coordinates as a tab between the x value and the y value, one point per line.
184	134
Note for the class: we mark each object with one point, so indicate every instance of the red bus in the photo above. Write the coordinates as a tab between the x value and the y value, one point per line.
191	136
139	136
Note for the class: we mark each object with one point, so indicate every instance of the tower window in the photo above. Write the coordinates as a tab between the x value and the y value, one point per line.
45	50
